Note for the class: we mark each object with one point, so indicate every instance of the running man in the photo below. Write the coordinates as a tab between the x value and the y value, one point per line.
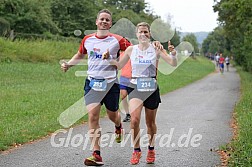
101	85
221	63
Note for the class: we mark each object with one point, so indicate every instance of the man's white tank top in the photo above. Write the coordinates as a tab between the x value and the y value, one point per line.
144	63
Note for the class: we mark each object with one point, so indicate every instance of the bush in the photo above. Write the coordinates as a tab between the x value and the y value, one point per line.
4	27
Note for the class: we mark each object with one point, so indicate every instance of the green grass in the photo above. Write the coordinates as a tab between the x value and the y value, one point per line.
188	72
241	148
36	50
32	97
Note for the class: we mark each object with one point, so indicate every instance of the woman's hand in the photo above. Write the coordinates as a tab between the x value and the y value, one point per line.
171	48
157	45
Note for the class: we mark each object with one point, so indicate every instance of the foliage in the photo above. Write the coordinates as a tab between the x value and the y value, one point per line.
216	41
137	6
64	17
4	27
28	16
236	18
193	40
73	15
175	39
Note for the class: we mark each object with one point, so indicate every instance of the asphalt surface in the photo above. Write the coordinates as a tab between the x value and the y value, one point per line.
192	122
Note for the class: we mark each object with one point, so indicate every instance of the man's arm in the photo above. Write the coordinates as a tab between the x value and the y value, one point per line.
73	61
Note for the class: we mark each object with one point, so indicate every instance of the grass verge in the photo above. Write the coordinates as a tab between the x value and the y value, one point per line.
240	149
36	50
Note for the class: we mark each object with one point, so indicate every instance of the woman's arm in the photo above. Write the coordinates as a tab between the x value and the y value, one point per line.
169	58
122	61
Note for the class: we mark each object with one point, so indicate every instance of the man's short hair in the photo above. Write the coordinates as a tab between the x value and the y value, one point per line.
104	11
143	24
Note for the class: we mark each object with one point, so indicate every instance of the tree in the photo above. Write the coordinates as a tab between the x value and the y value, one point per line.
64	17
4	27
176	38
28	16
216	41
193	40
137	6
73	15
236	16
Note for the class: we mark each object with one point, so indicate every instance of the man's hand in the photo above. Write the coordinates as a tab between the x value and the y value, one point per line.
105	55
64	66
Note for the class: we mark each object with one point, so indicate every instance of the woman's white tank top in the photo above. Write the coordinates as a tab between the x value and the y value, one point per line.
144	63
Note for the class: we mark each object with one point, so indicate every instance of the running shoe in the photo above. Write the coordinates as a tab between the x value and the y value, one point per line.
136	155
127	118
94	160
118	135
150	157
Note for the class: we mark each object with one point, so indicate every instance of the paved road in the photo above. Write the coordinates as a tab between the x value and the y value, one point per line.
192	121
